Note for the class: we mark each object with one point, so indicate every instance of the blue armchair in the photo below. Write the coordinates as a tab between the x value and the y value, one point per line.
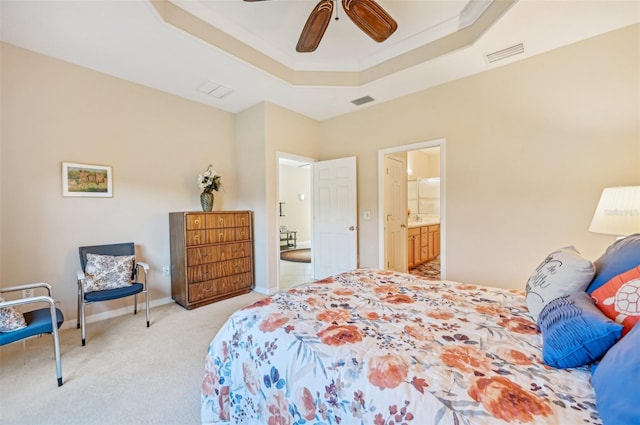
39	321
135	284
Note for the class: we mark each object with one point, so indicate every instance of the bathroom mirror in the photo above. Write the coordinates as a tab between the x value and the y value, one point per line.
423	195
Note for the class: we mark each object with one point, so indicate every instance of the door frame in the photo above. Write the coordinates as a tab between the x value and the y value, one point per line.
406	148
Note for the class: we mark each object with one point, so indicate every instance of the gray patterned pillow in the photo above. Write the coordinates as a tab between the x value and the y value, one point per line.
563	272
107	272
11	319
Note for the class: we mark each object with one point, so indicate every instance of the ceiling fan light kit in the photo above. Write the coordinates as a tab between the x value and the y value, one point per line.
372	19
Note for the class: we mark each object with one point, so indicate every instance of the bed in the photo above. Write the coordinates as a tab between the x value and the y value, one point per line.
380	347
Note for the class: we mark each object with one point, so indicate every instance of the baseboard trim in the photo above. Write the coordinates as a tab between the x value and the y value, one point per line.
117	312
265	291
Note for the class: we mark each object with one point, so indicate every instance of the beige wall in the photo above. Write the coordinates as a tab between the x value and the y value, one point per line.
262	132
423	165
297	212
529	147
156	143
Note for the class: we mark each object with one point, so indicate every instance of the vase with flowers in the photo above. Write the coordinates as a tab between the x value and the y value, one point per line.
208	181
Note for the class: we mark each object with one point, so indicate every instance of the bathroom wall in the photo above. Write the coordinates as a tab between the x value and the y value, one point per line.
295	184
423	170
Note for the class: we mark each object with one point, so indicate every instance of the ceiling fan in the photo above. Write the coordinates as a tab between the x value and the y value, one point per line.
372	19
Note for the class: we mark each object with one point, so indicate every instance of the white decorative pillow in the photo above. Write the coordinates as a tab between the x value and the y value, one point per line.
563	272
11	319
107	272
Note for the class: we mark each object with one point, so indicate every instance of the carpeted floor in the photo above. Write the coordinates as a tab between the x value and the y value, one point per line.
430	269
126	374
302	255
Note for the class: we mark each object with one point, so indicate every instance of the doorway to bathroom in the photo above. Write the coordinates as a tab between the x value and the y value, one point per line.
411	198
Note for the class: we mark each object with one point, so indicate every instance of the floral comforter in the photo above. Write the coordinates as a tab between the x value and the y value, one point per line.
380	347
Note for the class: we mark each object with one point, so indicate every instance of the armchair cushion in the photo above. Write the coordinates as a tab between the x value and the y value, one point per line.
11	319
112	294
108	272
39	322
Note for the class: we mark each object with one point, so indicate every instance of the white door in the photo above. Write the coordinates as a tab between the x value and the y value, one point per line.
395	205
335	217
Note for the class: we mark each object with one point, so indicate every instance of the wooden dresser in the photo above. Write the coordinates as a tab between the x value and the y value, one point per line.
211	256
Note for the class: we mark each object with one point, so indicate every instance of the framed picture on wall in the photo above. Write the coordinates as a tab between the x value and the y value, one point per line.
86	180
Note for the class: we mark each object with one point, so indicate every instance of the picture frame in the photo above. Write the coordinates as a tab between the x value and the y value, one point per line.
87	180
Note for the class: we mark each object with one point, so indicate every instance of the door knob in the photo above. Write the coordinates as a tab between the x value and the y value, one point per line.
352	228
403	225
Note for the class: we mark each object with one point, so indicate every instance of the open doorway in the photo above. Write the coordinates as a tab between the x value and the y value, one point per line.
294	220
414	240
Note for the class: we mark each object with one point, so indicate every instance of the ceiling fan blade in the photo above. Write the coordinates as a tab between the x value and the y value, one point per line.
370	18
315	27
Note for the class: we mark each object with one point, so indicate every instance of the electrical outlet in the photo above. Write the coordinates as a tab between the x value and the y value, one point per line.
27	293
166	271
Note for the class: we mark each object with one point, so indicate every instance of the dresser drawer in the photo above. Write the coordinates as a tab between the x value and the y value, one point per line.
238	282
206	289
243	233
209	254
236	266
196	221
221	235
208	271
196	237
221	220
243	219
215	287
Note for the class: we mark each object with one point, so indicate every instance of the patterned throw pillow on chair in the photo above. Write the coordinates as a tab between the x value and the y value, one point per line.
11	319
108	272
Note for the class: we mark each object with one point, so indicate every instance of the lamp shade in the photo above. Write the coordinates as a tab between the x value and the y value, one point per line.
618	211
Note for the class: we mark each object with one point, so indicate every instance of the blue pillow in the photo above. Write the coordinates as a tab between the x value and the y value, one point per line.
575	332
619	257
616	379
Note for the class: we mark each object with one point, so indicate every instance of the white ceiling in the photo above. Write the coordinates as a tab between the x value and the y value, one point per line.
132	40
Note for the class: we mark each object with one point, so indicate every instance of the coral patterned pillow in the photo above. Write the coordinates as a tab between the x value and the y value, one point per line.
619	298
107	272
11	319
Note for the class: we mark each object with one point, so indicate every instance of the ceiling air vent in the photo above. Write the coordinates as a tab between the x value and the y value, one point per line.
362	100
505	53
214	89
